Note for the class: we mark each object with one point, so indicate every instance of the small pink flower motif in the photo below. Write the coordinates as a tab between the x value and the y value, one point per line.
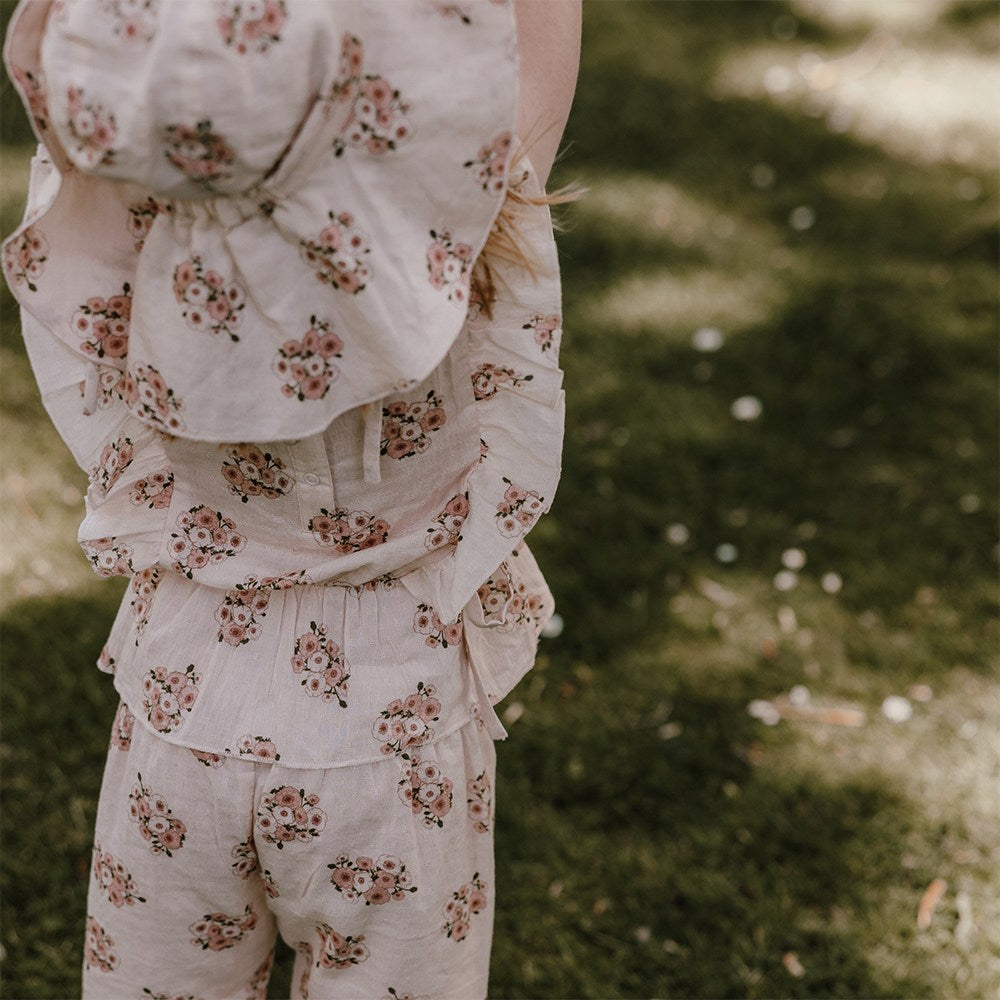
212	760
24	258
147	395
320	662
141	216
210	303
36	95
202	155
405	724
348	530
506	600
166	697
488	378
154	491
251	25
241	612
304	366
252	472
427	622
426	791
121	730
218	931
489	166
339	951
134	20
287	815
115	458
338	254
260	748
246	862
114	880
157	824
518	510
449	266
377	120
143	585
374	881
447	526
108	557
206	536
103	325
480	802
467	901
393	993
93	130
546	330
99	948
407	427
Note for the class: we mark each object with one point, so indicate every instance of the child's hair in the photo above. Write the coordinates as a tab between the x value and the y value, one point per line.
504	245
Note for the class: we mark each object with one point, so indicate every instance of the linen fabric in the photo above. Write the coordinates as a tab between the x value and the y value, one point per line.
200	860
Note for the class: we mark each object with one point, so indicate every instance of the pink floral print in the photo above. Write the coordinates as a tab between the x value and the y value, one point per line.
449	264
122	728
375	881
116	456
156	821
305	950
241	612
270	886
110	387
407	427
394	994
426	791
99	948
154	491
36	94
167	695
141	216
114	879
518	510
465	903
447	527
103	324
212	760
488	378
143	585
338	254
260	748
405	723
105	661
134	20
286	815
480	802
304	366
93	129
206	536
251	25
108	557
257	986
377	120
504	601
252	472
427	622
490	164
209	302
246	862
348	530
321	663
197	152
24	258
218	931
149	397
546	330
147	992
339	951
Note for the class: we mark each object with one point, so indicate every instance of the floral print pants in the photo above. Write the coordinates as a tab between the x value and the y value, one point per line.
380	874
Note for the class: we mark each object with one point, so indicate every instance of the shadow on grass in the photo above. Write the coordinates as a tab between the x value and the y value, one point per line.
682	869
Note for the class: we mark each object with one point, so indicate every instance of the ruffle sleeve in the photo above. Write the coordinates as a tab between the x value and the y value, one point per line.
263	215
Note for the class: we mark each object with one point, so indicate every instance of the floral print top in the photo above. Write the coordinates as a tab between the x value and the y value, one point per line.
303	439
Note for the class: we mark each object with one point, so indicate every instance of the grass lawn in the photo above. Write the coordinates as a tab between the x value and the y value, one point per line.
778	510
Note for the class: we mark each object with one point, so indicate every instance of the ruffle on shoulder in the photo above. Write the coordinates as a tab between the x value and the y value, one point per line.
242	301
